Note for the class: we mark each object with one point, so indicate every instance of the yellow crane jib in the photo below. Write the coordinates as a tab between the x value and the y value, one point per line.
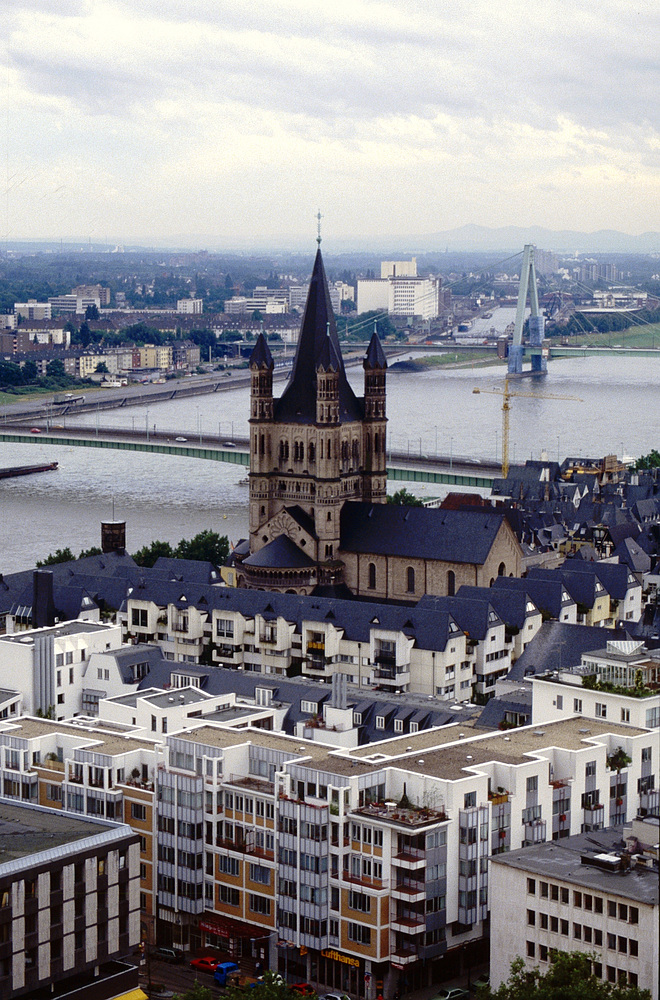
506	395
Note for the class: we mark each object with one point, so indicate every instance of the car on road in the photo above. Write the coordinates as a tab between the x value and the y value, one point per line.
334	996
452	993
482	980
37	430
180	439
207	963
228	444
304	989
172	955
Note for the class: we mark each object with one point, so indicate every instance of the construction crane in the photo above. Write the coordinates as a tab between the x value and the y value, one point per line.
506	395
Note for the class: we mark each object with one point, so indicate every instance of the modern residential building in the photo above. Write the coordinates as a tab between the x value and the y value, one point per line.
587	894
69	903
191	306
33	309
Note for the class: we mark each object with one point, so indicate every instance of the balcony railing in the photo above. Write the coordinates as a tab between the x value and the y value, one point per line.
366	880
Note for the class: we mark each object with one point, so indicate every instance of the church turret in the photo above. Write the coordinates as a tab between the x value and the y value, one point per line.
375	422
327	384
374	365
261	378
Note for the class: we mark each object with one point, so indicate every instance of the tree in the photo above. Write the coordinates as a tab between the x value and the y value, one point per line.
405	499
30	371
92	312
55	369
148	554
102	367
650	461
208	546
59	556
196	992
93	551
271	987
568	978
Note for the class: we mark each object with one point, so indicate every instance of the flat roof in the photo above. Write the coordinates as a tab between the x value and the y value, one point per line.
101	741
561	860
62	629
25	831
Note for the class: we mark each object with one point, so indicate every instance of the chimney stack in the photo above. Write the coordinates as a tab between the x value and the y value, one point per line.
43	605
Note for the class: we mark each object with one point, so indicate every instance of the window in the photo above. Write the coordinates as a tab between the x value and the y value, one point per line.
587	934
451	583
469	800
554	892
633	947
359	901
228	895
531	918
543	952
139	617
554	925
372	577
398	725
577	706
359	933
601	710
590	767
533	783
646	754
531	886
228	866
531	949
633	915
259	904
611	940
563	926
564	895
544	889
611	908
259	873
410	580
138	811
625	715
380	722
543	918
598	937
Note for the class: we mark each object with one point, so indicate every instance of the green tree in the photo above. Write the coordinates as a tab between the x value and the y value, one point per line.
196	992
102	367
207	546
272	987
568	978
92	312
93	551
256	315
650	461
405	499
58	556
148	554
55	369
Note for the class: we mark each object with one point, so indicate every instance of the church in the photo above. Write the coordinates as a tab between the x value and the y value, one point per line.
319	521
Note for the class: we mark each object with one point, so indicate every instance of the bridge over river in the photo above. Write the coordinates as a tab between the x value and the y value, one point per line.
402	467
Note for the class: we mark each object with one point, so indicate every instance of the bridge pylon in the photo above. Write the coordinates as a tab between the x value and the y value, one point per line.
536	319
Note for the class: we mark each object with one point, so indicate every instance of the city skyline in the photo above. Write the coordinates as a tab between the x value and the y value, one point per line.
151	123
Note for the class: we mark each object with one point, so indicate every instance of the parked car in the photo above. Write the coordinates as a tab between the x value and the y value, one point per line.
37	430
180	439
482	980
452	993
305	989
334	996
223	972
205	964
173	955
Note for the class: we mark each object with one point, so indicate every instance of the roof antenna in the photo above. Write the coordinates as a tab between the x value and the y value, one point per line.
318	227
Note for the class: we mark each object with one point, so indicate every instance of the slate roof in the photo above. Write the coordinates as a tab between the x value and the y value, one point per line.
510	605
558	644
495	710
460	536
291	692
261	356
633	555
375	356
473	616
301	517
297	404
546	593
281	553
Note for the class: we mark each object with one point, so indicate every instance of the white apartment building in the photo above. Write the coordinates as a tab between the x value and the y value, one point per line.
33	309
399	268
579	895
55	666
400	295
191	307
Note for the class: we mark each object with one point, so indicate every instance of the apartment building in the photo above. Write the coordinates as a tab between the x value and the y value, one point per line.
68	904
619	682
52	666
440	646
190	307
91	770
583	894
371	862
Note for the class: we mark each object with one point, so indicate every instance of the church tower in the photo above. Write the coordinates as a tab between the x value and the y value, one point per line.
312	449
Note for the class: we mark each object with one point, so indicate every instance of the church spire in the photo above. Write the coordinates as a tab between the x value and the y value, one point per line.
298	401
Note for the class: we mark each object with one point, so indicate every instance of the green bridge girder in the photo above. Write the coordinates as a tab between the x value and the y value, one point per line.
232	456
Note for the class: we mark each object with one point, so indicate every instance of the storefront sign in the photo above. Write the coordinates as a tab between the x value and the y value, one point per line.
336	956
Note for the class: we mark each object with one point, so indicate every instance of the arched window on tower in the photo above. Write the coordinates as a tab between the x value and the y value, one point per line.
376	443
344	453
410	580
451	583
262	444
355	452
311	452
372	576
501	569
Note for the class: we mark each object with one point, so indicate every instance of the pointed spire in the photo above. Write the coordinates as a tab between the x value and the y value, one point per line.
375	356
298	401
261	356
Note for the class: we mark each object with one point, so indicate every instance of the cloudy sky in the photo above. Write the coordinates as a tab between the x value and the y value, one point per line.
156	120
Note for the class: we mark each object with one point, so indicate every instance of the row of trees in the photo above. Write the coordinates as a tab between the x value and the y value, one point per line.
22	378
579	324
207	546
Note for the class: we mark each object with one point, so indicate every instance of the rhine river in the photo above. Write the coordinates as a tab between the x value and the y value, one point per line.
433	411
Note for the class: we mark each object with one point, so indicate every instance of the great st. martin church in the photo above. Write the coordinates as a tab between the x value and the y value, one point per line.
318	517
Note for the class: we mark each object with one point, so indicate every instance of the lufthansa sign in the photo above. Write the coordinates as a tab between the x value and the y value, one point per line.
336	956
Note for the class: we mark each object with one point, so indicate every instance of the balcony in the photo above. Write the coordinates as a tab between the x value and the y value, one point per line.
315	648
402	955
397	814
410	891
411	858
412	925
386	659
365	880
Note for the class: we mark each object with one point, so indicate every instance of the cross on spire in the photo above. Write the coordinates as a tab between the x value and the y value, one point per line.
318	227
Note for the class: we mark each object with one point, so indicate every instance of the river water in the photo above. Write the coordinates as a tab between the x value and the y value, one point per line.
433	412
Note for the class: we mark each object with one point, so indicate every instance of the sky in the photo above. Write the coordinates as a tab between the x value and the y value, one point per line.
189	121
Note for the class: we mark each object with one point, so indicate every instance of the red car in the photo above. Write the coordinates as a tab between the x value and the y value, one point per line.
304	989
35	430
205	964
